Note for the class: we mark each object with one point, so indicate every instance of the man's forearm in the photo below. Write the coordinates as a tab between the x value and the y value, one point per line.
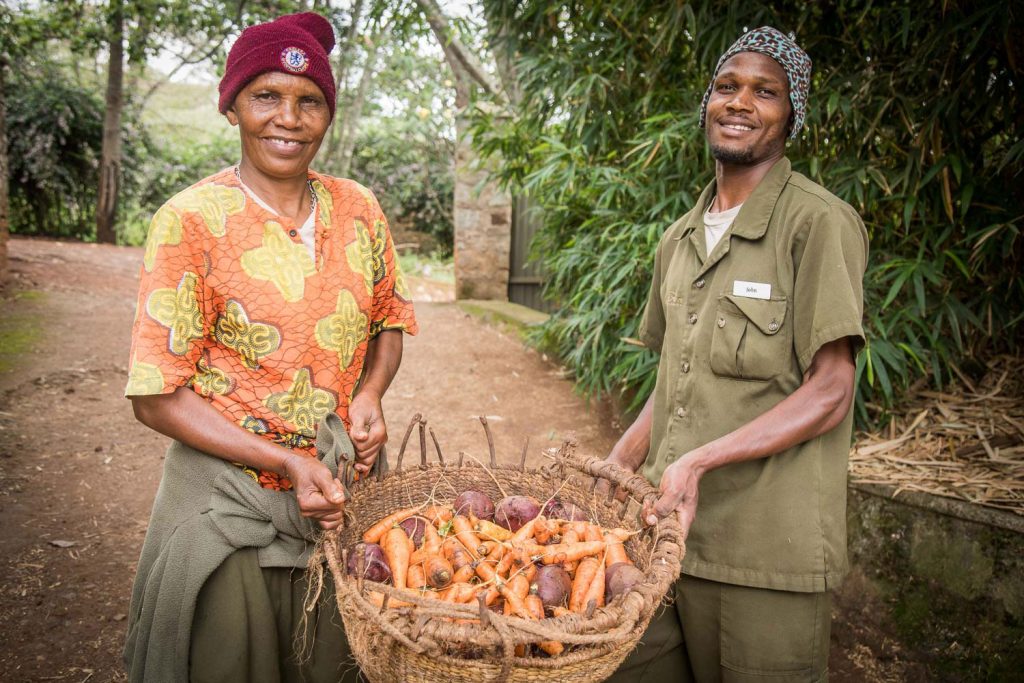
187	417
631	449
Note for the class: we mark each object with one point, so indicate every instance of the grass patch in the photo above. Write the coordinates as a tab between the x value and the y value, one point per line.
19	329
428	266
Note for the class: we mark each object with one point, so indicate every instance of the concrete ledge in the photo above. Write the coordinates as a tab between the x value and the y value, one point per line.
516	315
952	507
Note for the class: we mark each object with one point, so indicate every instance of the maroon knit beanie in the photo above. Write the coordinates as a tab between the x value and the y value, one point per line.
294	44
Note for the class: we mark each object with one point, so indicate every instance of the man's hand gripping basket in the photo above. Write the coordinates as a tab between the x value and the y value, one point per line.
429	640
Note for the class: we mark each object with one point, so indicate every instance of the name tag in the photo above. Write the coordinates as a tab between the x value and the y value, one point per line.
752	290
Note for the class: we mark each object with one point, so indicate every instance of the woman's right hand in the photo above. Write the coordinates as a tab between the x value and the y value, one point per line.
320	495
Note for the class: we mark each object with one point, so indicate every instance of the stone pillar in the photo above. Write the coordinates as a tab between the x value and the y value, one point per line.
483	227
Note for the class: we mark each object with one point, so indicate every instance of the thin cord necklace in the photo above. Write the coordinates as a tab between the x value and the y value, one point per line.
309	184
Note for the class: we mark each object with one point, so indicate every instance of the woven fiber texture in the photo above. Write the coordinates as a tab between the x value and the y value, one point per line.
430	640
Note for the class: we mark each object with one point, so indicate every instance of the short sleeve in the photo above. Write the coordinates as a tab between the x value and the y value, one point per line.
830	256
652	324
392	307
171	319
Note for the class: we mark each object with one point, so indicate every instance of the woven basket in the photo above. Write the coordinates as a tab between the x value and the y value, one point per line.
424	642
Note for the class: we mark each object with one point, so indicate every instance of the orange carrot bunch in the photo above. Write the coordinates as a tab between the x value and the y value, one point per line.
544	568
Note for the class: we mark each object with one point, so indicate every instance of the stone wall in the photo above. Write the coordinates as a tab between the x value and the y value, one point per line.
483	228
952	572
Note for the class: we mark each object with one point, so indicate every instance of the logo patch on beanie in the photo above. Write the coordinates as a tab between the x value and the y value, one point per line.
294	59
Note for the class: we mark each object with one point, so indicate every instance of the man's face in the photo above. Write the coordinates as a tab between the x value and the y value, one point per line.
281	120
748	112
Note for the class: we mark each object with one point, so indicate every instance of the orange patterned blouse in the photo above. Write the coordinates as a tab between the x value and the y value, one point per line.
231	304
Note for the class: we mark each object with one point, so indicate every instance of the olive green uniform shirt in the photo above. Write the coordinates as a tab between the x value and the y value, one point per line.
737	329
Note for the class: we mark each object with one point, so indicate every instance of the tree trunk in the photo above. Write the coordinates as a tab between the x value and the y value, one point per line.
343	64
4	170
110	158
355	110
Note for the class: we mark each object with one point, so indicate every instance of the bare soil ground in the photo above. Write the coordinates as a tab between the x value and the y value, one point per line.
78	473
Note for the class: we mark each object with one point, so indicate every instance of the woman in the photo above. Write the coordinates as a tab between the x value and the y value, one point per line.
270	305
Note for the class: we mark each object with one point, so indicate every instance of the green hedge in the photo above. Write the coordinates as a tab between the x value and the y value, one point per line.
914	119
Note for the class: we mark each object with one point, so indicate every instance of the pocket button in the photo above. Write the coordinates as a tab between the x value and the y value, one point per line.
699	284
721	322
685	367
773	326
680	412
692	319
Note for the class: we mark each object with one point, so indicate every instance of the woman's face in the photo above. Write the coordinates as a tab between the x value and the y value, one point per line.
282	119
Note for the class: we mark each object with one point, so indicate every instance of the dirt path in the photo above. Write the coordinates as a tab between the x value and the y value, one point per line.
78	473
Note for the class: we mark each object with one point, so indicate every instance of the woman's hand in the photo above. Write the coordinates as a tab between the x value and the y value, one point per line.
369	433
320	496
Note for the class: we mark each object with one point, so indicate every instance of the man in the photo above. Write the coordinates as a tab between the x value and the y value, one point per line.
755	308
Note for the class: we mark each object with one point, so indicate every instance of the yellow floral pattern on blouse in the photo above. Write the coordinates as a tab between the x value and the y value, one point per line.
281	261
303	404
213	202
178	310
344	330
251	340
164	229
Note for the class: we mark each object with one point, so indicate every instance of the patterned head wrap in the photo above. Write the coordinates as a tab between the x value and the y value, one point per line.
785	51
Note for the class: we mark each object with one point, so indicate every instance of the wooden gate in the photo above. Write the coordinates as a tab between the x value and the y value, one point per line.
525	280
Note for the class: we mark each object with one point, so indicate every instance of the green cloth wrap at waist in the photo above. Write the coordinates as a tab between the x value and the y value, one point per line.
205	509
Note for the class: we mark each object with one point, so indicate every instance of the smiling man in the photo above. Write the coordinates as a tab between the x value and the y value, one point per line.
755	308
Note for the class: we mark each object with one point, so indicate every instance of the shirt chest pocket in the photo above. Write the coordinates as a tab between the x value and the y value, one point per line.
752	338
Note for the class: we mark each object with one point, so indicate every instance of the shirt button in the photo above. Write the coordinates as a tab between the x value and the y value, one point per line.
680	412
293	233
699	284
721	322
773	326
693	318
685	367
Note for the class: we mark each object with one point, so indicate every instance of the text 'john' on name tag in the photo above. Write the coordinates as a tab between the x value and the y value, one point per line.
752	290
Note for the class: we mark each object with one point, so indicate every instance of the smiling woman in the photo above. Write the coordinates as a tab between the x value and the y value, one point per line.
270	317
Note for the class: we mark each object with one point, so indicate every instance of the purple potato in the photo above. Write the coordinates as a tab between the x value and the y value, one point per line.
620	579
557	509
475	503
515	511
552	585
414	528
375	566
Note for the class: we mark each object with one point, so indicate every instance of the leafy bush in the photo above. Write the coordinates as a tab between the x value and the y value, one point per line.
54	135
914	119
409	168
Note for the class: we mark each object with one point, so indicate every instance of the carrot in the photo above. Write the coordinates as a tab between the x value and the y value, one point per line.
377	531
463	574
437	513
579	527
581	583
456	554
615	551
593	533
549	554
491	531
514	602
519	585
569	537
536	607
486	547
491	595
431	546
530	572
560	611
459	592
596	590
377	599
416	578
525	532
546	531
464	532
438	571
505	563
396	551
622	534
